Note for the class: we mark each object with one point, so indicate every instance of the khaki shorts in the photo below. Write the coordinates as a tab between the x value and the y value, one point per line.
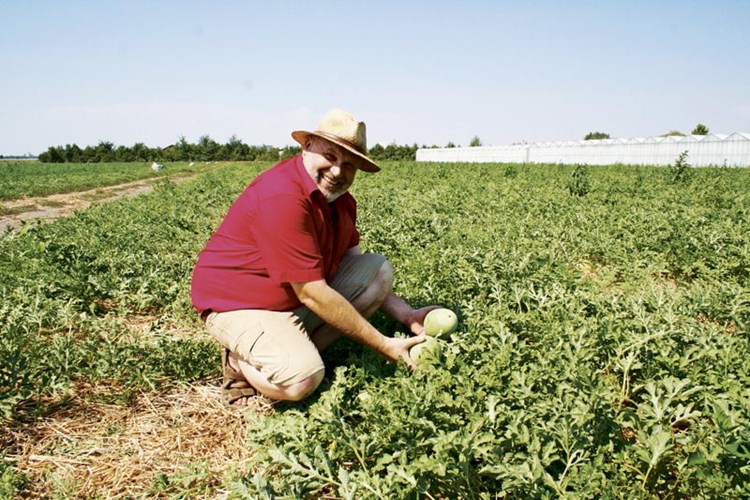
278	343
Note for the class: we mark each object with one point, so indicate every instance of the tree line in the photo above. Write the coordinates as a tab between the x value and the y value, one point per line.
205	149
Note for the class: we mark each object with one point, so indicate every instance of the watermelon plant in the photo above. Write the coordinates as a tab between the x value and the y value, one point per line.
579	184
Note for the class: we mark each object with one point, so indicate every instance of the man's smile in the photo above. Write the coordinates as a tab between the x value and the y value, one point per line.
330	180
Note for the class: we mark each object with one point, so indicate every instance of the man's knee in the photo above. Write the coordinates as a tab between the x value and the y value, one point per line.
382	285
384	279
303	389
376	292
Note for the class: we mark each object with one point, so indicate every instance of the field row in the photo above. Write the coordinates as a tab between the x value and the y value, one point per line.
20	179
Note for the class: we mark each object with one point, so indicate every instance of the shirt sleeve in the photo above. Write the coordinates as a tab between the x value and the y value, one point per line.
285	235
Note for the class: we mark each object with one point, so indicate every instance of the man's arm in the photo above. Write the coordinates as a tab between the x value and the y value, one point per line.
395	307
335	310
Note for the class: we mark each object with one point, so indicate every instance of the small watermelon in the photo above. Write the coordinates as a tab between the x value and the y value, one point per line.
440	323
430	344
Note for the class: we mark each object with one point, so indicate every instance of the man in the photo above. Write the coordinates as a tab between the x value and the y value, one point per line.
283	277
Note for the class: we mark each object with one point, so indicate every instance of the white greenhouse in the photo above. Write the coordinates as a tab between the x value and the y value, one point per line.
702	150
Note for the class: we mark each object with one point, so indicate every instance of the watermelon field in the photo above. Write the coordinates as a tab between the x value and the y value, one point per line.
603	349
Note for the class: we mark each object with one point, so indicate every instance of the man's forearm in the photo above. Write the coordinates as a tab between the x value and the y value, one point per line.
395	307
335	310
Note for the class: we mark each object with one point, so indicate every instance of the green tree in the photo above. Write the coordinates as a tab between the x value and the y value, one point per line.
289	151
53	155
450	145
376	152
394	152
475	142
123	154
104	151
232	150
675	133
140	152
207	148
73	153
596	135
700	129
186	150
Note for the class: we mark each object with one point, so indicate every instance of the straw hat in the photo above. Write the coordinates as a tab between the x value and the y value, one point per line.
342	129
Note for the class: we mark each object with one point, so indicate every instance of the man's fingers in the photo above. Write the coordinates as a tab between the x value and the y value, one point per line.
409	362
399	349
412	341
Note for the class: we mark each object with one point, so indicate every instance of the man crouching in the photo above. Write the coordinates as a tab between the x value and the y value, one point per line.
283	277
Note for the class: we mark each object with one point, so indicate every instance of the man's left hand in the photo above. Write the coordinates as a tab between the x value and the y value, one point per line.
415	321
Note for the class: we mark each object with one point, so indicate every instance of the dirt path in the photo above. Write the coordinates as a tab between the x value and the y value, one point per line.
60	205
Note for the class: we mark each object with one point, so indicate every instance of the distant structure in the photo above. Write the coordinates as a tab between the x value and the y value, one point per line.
27	156
703	150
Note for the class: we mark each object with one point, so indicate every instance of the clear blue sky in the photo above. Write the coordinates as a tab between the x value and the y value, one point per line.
428	72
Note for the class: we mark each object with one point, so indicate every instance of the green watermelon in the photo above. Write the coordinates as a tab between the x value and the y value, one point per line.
440	323
430	344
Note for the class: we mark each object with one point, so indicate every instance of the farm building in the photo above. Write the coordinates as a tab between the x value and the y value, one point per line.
703	150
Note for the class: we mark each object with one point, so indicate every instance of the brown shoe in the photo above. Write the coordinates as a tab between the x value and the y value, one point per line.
232	378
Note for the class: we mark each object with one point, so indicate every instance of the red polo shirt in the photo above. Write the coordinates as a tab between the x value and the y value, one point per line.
280	230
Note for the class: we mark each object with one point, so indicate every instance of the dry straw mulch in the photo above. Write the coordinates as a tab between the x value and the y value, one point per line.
87	449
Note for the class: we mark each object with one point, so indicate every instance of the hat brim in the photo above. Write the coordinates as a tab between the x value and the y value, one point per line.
366	164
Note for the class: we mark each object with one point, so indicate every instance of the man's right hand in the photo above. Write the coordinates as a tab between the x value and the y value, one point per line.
396	348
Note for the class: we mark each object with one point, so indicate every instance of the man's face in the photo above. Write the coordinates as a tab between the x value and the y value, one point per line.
331	167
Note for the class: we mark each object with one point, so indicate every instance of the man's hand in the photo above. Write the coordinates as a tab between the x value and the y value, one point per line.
398	309
396	349
415	320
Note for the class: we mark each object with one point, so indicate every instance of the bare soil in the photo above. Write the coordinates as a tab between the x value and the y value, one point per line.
60	205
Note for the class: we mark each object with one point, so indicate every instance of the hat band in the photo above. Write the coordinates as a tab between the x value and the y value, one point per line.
336	138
